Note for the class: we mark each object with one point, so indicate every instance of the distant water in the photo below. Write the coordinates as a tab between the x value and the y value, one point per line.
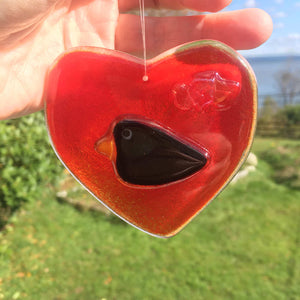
266	69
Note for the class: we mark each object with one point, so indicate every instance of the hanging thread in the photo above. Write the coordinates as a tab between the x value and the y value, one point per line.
143	25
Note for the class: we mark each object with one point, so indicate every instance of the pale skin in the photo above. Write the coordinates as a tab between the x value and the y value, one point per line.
33	33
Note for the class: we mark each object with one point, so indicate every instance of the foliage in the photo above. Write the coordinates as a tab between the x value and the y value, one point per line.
268	110
275	122
285	163
289	85
27	162
290	115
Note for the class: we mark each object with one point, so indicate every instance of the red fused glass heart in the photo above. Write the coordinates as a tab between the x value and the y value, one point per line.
154	151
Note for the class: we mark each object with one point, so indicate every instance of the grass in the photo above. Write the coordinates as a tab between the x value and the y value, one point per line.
244	245
262	144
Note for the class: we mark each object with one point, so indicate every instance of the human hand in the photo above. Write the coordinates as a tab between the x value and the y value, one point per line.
33	33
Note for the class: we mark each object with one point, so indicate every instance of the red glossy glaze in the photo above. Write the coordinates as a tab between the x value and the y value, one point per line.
202	92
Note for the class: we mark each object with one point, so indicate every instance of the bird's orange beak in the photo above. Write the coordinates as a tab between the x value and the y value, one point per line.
106	146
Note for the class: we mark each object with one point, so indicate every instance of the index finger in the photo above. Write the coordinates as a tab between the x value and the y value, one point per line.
199	5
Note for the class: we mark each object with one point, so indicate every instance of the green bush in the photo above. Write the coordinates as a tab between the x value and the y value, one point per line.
285	163
27	162
290	115
275	122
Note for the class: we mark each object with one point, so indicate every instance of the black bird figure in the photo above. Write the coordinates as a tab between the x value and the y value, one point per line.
147	156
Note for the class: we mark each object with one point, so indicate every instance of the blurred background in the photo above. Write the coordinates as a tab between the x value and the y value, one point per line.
57	242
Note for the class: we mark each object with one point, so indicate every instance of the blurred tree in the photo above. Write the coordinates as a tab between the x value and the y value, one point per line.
290	115
289	118
289	86
269	109
267	121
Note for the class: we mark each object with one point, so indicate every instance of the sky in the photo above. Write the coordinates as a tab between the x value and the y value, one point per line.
285	39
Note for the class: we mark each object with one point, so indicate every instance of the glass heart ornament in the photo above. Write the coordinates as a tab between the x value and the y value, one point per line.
154	150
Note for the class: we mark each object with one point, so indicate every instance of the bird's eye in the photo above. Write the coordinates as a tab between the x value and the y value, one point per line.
126	134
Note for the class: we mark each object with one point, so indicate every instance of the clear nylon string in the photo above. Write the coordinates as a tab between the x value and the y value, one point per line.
143	25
